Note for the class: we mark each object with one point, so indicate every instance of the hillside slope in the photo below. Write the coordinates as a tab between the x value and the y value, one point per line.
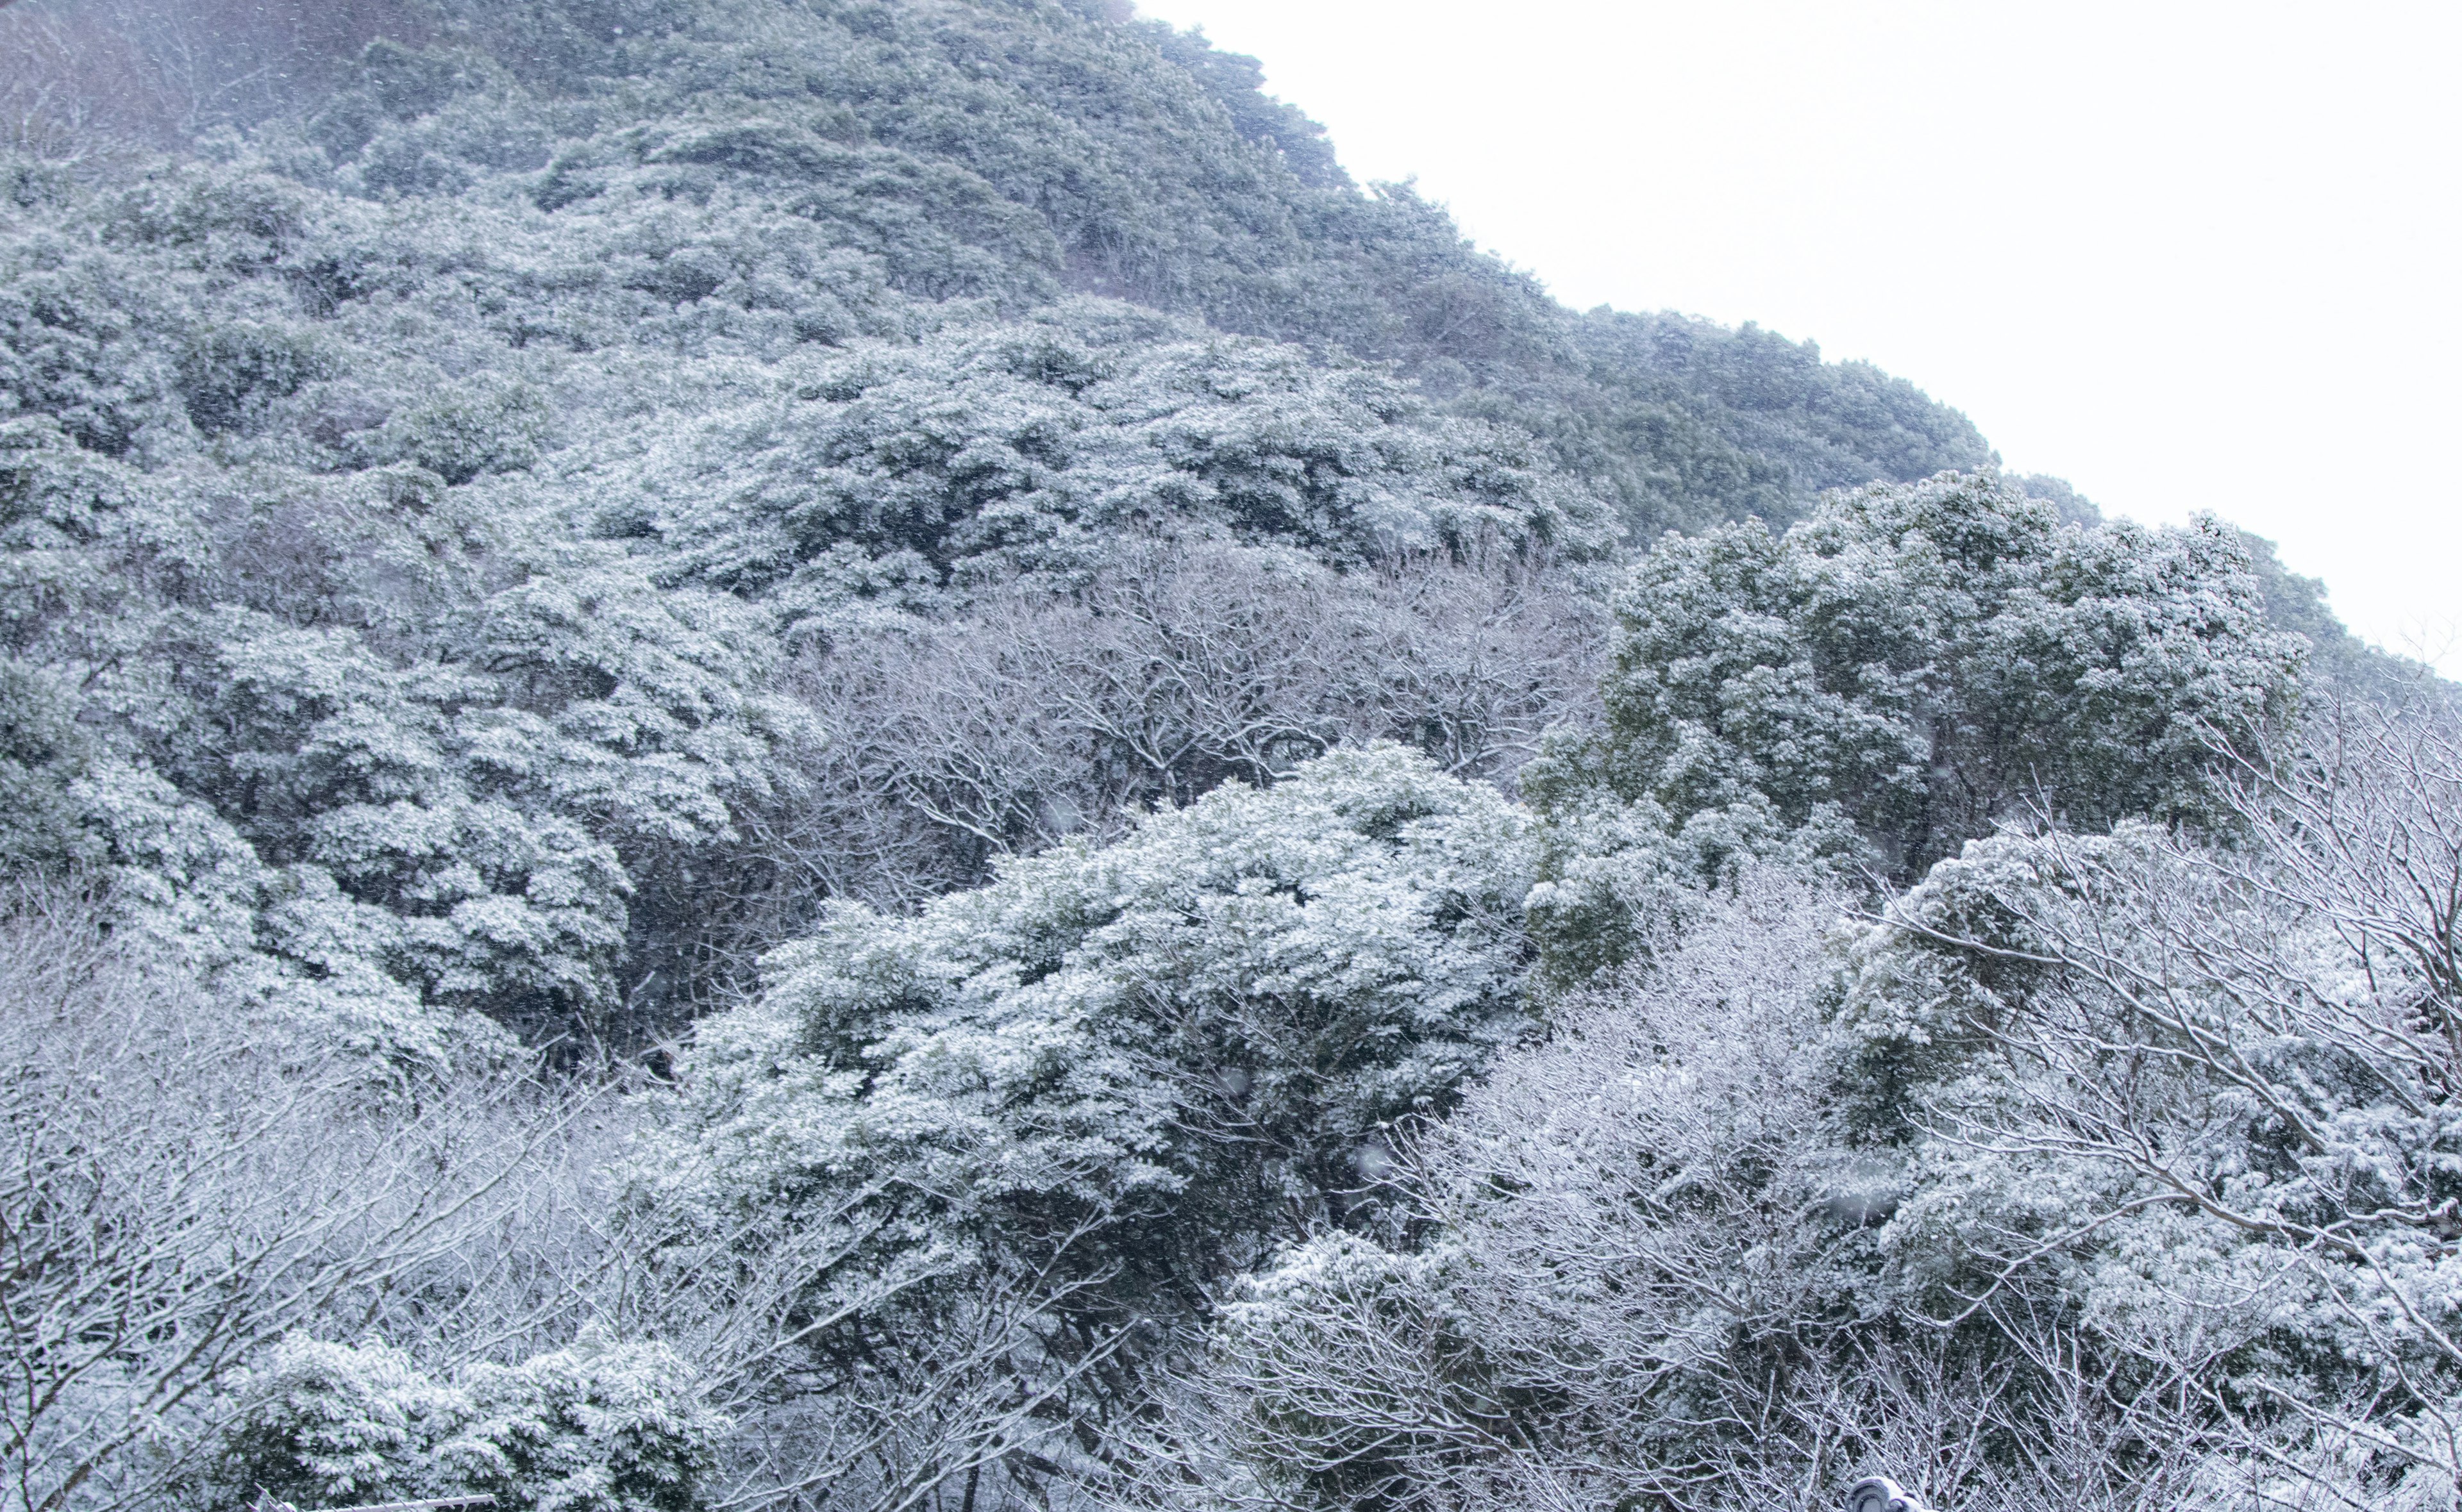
514	505
1013	153
778	753
476	474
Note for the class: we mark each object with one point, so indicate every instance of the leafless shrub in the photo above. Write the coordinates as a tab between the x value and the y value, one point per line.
936	748
2258	1046
1039	715
180	1186
1651	1271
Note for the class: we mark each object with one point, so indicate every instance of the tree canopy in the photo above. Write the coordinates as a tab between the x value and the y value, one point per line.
1900	672
863	754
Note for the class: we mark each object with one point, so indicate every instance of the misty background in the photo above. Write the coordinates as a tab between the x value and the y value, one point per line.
2189	256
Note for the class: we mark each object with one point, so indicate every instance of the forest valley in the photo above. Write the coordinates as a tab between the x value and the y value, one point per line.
861	754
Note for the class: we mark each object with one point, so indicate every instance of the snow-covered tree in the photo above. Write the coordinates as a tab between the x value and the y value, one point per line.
510	513
1036	717
2102	1169
1898	673
1116	1075
984	453
189	1173
2204	1096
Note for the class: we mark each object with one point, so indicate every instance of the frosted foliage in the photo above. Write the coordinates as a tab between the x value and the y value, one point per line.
195	1174
741	336
984	453
1307	963
598	1427
1900	672
2210	1092
447	556
965	152
453	824
1106	1077
1919	660
1635	1226
771	755
2099	1171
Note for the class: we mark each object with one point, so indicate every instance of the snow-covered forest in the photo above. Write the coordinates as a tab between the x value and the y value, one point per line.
861	754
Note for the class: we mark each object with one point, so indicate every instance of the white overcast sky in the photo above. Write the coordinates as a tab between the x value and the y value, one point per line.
2189	256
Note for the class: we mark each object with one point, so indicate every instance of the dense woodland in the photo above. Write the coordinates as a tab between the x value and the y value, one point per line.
861	754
